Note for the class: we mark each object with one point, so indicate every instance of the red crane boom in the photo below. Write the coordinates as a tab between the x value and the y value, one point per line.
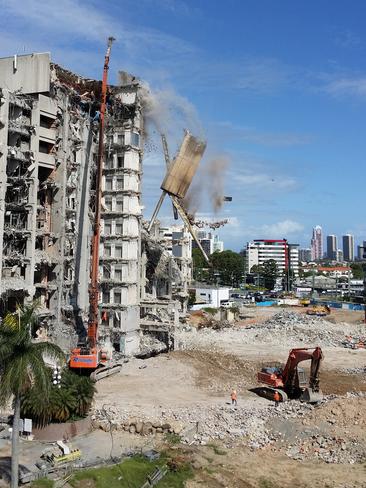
90	356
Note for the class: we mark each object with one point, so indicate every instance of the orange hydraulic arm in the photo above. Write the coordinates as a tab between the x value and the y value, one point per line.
296	356
94	285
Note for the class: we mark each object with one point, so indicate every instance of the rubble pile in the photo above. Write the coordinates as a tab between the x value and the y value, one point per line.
287	325
283	329
354	342
199	426
151	345
204	320
331	449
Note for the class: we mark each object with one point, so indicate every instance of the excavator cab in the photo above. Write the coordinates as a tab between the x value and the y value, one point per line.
291	381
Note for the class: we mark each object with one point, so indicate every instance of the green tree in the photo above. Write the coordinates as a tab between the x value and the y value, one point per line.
22	367
268	273
357	271
229	266
200	266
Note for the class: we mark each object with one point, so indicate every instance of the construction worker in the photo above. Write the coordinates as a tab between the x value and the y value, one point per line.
234	398
276	398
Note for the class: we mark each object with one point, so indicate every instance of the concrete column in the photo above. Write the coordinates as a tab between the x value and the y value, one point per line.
4	117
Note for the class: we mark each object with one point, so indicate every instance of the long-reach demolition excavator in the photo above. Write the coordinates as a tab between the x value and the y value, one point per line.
92	357
290	382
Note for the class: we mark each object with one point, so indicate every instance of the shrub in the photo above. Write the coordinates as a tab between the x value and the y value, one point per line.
210	310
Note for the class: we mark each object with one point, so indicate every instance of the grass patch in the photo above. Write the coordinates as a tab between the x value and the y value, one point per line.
264	483
43	483
210	310
217	450
172	439
132	473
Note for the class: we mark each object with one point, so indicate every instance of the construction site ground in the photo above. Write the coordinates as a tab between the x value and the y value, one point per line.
255	444
195	381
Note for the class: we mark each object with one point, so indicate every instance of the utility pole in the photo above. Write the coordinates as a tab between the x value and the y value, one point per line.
349	285
364	290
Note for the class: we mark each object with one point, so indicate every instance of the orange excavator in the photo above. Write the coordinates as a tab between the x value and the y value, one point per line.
91	357
290	382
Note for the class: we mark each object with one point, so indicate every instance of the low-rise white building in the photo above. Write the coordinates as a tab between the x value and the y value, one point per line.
209	296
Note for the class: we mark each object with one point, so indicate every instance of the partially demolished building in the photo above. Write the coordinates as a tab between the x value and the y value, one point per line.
48	145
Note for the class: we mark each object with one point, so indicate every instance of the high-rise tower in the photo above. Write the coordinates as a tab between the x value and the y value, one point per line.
317	243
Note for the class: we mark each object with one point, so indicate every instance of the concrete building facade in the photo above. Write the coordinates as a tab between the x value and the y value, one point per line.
48	149
348	247
262	250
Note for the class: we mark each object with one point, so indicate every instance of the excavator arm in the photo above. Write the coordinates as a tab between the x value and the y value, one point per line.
290	374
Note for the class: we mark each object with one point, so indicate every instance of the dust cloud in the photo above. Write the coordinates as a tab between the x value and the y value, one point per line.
208	181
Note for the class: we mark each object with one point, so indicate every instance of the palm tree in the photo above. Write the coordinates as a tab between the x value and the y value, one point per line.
22	367
83	388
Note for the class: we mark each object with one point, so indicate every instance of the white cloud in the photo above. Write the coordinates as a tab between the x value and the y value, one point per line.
347	86
282	229
62	18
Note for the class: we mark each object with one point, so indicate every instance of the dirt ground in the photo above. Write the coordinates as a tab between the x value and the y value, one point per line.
201	378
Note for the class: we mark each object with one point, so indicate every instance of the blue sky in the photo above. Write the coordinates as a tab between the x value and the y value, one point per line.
278	89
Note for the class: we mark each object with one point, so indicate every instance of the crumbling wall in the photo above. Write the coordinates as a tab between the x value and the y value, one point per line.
48	147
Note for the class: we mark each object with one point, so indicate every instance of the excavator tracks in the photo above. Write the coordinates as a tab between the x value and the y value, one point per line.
269	393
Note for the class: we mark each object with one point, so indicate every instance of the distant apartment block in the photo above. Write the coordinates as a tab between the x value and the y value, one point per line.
209	242
218	246
348	247
261	250
305	255
332	247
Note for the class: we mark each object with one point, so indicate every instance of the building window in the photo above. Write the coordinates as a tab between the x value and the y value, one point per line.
121	139
119	183
107	228
45	121
117	297
106	297
118	252
108	184
108	163
107	251
108	203
45	147
121	161
119	205
135	139
118	274
106	272
119	227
